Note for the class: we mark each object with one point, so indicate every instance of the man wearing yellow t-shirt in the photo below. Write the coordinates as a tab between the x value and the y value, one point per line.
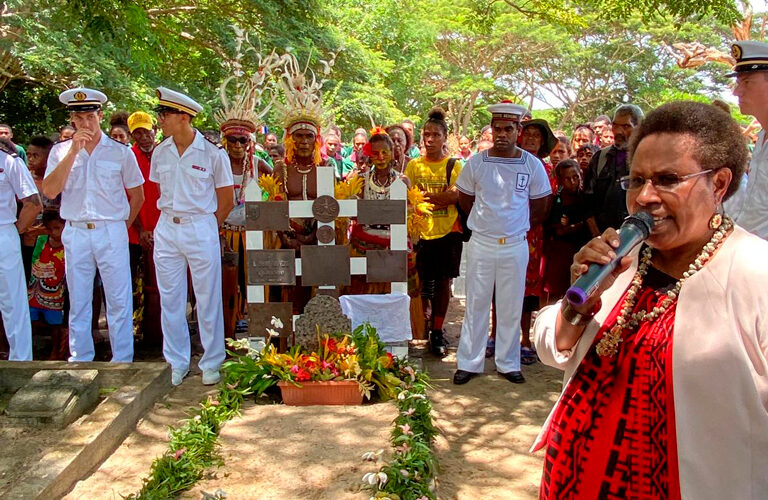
438	254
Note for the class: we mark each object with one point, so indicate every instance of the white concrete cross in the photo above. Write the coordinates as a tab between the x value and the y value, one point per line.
254	240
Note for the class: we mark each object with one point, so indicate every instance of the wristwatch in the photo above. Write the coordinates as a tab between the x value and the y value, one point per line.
574	317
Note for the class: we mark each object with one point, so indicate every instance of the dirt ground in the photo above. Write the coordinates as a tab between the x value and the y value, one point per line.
37	442
280	452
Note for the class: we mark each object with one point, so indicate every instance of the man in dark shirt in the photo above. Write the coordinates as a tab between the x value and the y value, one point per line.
607	199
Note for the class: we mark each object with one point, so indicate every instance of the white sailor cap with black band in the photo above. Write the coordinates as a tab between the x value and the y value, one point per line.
507	110
170	100
750	55
82	99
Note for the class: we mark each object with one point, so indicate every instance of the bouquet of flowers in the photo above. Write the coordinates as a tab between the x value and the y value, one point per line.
345	190
419	214
359	356
271	188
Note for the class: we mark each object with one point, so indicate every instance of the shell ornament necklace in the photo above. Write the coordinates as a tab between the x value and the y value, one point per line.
608	345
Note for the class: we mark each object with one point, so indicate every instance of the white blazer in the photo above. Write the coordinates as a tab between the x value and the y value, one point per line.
719	369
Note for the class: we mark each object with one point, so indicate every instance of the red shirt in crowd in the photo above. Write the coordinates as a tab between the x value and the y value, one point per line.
149	213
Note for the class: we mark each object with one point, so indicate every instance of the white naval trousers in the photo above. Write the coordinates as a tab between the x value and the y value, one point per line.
14	304
193	242
105	247
504	264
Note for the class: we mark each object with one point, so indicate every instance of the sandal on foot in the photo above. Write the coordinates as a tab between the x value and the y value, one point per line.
528	356
490	347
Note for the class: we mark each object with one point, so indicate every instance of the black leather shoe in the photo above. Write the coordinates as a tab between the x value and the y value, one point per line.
437	343
462	377
514	377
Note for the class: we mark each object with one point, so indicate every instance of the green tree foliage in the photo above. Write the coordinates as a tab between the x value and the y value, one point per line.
395	58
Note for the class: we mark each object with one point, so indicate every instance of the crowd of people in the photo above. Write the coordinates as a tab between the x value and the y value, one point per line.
433	162
531	207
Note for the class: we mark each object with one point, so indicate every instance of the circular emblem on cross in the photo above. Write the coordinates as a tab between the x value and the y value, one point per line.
325	208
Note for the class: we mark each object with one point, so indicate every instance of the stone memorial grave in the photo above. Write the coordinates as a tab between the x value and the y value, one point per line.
63	419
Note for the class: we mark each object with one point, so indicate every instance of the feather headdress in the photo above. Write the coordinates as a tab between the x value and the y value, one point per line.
303	108
245	100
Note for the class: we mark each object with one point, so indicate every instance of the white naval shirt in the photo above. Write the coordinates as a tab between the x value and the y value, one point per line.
753	215
502	188
188	184
15	182
95	188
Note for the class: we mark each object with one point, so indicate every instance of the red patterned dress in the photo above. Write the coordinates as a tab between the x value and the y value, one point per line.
612	435
534	273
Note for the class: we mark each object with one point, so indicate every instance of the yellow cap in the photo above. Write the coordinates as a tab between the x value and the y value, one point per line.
140	119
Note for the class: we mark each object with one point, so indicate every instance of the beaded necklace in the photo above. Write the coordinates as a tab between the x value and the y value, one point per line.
627	320
303	173
371	186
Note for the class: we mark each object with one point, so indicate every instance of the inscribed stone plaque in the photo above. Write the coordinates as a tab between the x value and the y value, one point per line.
386	266
271	267
267	216
260	318
381	211
325	234
325	265
325	208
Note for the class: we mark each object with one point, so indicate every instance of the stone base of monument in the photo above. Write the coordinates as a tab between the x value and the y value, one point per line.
54	398
62	420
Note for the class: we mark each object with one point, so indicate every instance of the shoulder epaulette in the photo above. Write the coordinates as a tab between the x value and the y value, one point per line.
214	143
121	143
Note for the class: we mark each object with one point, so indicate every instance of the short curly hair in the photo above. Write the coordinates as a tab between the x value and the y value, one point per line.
719	141
406	133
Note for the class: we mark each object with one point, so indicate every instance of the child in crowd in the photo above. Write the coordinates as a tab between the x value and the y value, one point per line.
569	227
584	155
47	285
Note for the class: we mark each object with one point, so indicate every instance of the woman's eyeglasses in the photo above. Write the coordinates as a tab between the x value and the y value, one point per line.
664	182
231	139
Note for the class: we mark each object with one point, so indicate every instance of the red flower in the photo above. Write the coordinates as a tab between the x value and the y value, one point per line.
331	345
302	375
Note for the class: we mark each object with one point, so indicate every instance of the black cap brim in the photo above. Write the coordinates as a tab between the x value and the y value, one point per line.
83	108
747	69
167	109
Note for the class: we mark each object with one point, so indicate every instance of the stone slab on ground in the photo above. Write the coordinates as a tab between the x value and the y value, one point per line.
48	472
122	472
54	398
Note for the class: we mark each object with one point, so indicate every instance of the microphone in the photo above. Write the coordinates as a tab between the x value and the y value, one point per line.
635	229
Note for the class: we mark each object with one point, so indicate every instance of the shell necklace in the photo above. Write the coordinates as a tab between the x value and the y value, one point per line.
371	186
303	173
627	320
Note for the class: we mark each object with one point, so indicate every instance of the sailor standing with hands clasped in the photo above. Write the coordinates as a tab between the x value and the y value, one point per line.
16	182
196	195
505	190
101	193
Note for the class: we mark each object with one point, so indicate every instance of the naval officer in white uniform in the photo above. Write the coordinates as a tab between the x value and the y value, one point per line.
101	194
16	182
196	195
